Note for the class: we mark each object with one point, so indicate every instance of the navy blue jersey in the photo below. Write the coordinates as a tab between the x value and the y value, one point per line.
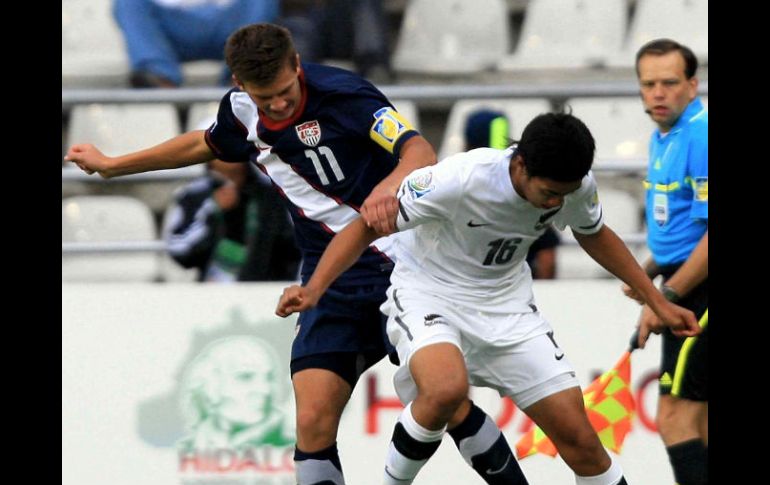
343	140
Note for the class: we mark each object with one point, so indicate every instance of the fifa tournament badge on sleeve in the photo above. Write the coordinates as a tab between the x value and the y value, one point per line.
702	189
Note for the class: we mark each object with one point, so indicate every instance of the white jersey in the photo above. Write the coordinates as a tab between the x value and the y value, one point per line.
471	230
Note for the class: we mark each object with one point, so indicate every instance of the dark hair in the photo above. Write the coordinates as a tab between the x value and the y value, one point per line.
659	47
557	146
257	53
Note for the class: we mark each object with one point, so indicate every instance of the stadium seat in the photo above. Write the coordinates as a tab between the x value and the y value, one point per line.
519	113
93	53
201	115
685	21
202	73
120	128
619	125
112	219
117	129
568	34
621	213
452	36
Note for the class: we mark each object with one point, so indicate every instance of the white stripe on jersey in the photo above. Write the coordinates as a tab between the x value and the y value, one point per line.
246	111
315	205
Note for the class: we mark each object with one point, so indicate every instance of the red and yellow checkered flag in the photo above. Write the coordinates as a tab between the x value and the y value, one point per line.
609	404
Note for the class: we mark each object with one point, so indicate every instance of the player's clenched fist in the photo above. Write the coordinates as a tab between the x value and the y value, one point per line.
295	299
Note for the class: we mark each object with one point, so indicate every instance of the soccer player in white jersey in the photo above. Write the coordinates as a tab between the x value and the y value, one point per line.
460	305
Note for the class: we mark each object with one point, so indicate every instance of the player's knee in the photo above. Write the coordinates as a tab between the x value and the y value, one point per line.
316	422
673	415
446	396
582	445
665	421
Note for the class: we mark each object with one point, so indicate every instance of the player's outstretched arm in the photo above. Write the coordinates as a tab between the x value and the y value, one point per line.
341	253
652	270
607	249
186	149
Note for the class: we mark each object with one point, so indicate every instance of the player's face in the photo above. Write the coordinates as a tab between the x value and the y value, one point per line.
665	89
541	192
278	100
545	193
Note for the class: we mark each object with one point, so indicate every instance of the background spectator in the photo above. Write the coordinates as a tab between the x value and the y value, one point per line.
354	30
161	34
232	226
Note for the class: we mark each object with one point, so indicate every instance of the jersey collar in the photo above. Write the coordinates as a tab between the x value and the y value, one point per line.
695	107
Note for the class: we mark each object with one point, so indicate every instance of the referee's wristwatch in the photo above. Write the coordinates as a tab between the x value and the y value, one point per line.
670	294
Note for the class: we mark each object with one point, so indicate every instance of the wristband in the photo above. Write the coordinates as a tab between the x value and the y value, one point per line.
670	294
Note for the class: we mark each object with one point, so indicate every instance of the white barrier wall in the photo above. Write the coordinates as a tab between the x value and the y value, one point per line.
153	374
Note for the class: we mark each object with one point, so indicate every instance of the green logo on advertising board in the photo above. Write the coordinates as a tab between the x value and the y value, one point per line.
232	414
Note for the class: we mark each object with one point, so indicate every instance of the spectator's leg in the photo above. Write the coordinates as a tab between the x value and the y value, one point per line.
150	51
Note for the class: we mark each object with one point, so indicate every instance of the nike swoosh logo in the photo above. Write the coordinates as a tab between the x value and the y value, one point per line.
541	222
495	472
471	224
559	357
547	215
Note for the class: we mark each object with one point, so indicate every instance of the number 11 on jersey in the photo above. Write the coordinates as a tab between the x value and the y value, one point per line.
328	154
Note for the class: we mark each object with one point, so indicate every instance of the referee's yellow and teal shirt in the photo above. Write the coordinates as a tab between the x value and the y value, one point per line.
677	186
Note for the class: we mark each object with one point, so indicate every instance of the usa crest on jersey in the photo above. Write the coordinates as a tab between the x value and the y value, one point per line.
309	133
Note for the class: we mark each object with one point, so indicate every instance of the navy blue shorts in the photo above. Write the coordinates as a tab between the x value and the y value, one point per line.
344	333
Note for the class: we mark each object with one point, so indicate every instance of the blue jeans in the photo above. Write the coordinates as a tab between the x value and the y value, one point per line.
159	38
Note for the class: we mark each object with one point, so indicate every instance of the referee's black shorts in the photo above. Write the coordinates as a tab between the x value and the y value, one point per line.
684	361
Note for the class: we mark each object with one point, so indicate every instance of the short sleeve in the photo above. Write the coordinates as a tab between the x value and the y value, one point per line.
428	194
227	137
698	173
582	209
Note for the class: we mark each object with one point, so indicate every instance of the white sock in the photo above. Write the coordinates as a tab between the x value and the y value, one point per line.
400	469
610	477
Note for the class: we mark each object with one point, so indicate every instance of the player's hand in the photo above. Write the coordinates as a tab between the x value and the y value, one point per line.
87	157
380	210
629	292
680	320
295	299
684	323
649	323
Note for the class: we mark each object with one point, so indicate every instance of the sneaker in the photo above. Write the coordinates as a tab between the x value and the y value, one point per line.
146	79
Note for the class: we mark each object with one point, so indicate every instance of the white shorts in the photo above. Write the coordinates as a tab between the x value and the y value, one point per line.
513	354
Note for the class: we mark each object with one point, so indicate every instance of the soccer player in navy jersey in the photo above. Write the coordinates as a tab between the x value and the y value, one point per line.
334	147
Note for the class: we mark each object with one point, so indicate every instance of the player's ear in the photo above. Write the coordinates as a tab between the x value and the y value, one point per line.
518	161
236	82
519	166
